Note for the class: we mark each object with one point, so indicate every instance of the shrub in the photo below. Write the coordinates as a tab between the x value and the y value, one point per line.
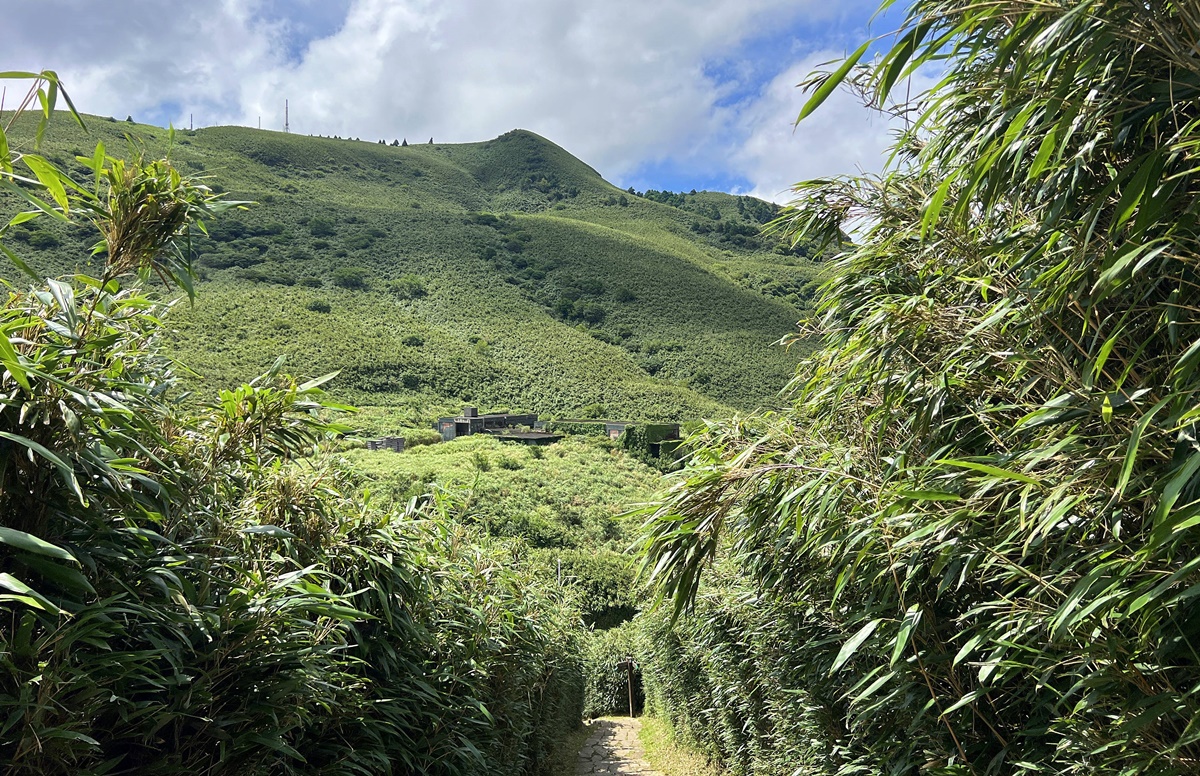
421	436
321	227
968	545
606	675
43	240
354	278
231	604
407	287
319	306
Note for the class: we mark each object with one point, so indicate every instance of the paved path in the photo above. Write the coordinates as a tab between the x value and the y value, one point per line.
613	748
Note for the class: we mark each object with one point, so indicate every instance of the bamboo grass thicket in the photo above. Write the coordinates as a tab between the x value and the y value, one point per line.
971	543
195	587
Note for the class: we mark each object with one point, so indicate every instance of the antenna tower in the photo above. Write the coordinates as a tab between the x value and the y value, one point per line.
287	127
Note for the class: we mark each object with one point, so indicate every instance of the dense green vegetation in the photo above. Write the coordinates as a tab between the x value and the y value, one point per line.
563	502
967	545
200	586
970	544
606	672
503	273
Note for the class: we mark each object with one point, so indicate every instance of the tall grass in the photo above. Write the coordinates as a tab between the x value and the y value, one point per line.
192	587
975	530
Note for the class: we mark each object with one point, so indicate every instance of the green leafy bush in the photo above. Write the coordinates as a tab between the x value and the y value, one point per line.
42	240
606	660
197	588
354	278
969	545
407	286
321	227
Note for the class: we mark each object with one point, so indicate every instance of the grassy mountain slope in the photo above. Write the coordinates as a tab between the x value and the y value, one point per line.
506	272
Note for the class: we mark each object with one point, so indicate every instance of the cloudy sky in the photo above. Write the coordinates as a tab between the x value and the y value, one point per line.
665	94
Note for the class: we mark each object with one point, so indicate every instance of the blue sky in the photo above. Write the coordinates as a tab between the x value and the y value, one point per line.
744	73
674	94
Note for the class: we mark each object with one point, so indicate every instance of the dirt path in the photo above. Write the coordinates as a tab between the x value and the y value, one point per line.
613	748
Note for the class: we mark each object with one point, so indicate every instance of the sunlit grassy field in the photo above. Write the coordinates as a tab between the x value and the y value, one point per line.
502	273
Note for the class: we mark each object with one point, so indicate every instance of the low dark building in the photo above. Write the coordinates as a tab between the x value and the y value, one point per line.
471	422
395	444
527	437
614	428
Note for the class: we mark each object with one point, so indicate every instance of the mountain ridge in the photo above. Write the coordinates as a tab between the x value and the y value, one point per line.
505	272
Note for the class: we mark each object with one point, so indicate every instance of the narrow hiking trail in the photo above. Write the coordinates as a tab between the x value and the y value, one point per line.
613	748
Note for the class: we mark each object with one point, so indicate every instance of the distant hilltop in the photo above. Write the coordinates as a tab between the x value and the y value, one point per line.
504	271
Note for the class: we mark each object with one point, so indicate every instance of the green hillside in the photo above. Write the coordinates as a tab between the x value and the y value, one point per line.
503	273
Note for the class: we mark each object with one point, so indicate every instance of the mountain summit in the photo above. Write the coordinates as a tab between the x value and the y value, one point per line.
503	273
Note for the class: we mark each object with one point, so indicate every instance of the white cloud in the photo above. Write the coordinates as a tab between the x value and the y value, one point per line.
842	137
620	84
615	83
131	58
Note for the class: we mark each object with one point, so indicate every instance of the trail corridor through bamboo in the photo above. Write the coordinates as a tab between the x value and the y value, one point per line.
613	748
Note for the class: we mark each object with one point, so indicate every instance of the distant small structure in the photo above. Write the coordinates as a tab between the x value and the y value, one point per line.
395	444
520	427
612	428
656	439
526	437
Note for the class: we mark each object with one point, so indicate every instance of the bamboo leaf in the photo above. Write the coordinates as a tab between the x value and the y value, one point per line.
5	153
911	618
65	471
934	209
928	495
831	83
897	59
851	646
983	468
18	262
30	543
49	177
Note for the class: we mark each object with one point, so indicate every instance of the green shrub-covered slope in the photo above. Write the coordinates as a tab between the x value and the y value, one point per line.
506	272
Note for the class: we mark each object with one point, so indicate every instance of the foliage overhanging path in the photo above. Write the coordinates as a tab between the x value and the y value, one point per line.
974	537
202	586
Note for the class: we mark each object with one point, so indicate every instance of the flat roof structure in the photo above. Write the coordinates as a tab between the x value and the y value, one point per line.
526	437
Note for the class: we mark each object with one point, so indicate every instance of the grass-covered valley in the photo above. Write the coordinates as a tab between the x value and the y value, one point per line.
965	541
504	273
203	564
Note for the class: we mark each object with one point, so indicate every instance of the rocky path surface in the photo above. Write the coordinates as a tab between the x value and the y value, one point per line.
613	748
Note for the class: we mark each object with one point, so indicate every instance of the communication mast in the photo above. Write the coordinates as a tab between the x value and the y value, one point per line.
287	127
